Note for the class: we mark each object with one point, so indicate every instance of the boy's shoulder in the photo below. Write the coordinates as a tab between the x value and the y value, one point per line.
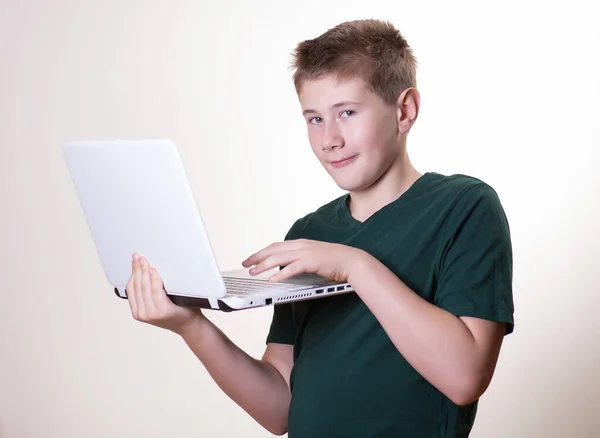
457	183
457	189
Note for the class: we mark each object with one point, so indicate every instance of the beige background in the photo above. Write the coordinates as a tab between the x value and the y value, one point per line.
509	94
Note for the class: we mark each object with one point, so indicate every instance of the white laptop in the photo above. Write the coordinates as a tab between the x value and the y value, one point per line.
136	197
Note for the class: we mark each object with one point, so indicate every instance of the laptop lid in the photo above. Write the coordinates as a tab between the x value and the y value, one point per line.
136	197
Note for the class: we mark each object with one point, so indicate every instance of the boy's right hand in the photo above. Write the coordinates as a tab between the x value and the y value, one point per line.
149	302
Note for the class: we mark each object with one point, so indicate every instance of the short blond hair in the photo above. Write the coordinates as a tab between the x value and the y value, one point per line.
371	49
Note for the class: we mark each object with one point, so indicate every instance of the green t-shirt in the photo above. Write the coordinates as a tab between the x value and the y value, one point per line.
448	239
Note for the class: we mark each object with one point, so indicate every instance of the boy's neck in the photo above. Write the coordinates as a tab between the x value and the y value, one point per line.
392	184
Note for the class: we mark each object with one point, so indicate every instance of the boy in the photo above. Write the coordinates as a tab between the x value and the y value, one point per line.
429	256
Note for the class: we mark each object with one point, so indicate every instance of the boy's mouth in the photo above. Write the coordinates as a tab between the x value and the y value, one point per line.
343	162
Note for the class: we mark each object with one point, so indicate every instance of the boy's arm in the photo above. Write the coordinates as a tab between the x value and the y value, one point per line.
456	355
260	387
455	341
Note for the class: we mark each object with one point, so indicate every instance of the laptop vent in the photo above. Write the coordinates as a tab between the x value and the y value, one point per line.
293	297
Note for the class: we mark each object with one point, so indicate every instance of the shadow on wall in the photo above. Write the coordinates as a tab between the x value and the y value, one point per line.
569	379
549	384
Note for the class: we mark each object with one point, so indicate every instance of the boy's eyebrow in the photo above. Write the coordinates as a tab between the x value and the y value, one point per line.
335	105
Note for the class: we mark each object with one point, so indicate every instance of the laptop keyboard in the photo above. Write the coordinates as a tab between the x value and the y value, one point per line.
243	287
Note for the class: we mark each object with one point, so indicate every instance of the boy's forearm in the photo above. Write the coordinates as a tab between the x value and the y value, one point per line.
436	343
256	386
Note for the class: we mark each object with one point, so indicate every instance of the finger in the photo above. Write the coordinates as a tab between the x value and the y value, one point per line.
289	271
258	256
129	288
279	259
273	248
159	296
137	280
146	287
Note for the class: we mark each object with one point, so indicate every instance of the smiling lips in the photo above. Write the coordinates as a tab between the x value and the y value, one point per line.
343	162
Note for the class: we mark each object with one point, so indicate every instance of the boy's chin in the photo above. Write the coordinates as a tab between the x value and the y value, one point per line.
350	184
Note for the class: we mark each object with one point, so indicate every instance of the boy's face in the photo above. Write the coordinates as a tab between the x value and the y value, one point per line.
351	130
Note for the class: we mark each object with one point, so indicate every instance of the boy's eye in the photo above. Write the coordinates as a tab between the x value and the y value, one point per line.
315	120
348	113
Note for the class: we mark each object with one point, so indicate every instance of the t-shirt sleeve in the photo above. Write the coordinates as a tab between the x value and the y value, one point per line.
476	266
282	329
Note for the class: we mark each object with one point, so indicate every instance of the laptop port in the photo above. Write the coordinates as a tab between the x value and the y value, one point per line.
268	301
331	289
340	288
319	291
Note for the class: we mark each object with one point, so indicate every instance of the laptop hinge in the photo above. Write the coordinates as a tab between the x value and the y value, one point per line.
214	303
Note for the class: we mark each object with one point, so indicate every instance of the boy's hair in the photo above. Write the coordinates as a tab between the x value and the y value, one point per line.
373	50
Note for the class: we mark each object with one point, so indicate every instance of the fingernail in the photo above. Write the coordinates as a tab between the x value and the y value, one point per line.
141	261
135	257
152	272
253	270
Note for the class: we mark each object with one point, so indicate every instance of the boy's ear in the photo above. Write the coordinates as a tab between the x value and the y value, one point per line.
407	108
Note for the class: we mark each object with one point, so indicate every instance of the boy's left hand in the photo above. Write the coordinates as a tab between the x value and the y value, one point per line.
330	260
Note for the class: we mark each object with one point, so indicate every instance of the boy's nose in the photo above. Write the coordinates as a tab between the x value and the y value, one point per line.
331	140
